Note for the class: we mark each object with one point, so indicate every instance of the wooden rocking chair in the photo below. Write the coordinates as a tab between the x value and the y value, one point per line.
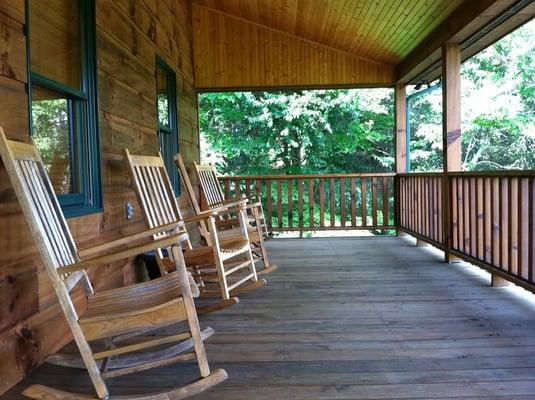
115	315
211	190
213	265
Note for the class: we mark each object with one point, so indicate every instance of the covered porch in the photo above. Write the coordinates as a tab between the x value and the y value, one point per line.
342	318
377	317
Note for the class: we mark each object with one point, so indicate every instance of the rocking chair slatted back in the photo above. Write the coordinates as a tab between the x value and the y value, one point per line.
156	197
210	185
41	208
150	178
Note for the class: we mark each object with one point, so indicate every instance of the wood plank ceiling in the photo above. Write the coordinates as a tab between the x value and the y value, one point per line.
380	30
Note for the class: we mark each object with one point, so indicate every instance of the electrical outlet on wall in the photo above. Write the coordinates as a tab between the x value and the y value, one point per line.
129	210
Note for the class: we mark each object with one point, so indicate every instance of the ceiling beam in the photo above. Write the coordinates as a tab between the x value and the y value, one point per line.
470	17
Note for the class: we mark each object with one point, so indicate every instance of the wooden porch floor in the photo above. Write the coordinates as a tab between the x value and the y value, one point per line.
364	318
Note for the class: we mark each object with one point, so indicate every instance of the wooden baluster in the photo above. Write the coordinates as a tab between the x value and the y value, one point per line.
237	187
248	188
269	202
531	216
353	189
322	203
419	205
258	189
487	230
480	236
364	198
460	211
289	187
227	189
455	213
332	202
311	202
385	201
440	212
434	190
504	223
514	227
374	201
523	233
279	203
300	204
427	208
343	202
473	217
466	216
496	221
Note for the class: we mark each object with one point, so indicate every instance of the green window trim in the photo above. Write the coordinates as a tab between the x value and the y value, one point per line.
168	134
83	105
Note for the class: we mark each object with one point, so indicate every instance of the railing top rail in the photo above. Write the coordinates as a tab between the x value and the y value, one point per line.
413	174
310	176
515	172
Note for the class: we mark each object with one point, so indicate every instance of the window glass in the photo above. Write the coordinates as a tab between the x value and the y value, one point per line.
162	88
55	40
51	130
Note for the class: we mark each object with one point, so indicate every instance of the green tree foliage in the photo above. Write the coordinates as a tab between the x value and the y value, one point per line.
498	106
308	131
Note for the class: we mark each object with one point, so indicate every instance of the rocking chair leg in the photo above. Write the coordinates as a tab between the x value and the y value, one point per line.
217	306
190	311
269	269
250	287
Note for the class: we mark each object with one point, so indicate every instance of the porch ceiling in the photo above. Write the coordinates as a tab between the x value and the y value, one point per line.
380	30
241	44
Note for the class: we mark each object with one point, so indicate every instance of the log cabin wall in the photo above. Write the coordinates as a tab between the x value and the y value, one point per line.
129	35
231	53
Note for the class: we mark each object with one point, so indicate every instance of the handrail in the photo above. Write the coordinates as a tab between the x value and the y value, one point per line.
308	176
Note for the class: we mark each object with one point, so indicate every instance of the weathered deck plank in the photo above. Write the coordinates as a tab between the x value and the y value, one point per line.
366	318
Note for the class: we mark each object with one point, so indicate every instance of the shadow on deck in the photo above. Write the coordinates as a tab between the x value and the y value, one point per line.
366	318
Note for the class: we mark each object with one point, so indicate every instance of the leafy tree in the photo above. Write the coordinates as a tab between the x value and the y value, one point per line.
498	105
309	131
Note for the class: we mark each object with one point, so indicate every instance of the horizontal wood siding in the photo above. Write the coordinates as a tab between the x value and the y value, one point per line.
130	33
233	53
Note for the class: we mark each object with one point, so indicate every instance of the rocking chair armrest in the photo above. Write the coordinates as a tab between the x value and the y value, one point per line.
122	254
230	203
253	205
130	239
204	215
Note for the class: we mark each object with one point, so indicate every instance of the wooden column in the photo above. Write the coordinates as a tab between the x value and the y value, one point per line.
401	142
498	281
451	131
401	128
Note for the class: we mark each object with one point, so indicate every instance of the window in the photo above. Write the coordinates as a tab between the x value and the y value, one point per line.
63	108
167	119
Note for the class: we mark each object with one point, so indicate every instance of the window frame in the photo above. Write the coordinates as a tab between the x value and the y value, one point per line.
172	130
83	106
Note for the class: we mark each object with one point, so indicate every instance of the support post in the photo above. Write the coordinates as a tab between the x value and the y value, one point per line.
401	128
401	141
451	133
498	281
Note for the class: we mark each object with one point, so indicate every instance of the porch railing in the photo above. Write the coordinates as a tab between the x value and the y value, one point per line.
420	206
488	217
491	218
320	202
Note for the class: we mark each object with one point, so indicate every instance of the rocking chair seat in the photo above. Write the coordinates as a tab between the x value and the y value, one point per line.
229	234
229	248
151	294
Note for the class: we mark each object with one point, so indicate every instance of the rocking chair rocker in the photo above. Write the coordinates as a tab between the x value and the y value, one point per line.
115	315
213	265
